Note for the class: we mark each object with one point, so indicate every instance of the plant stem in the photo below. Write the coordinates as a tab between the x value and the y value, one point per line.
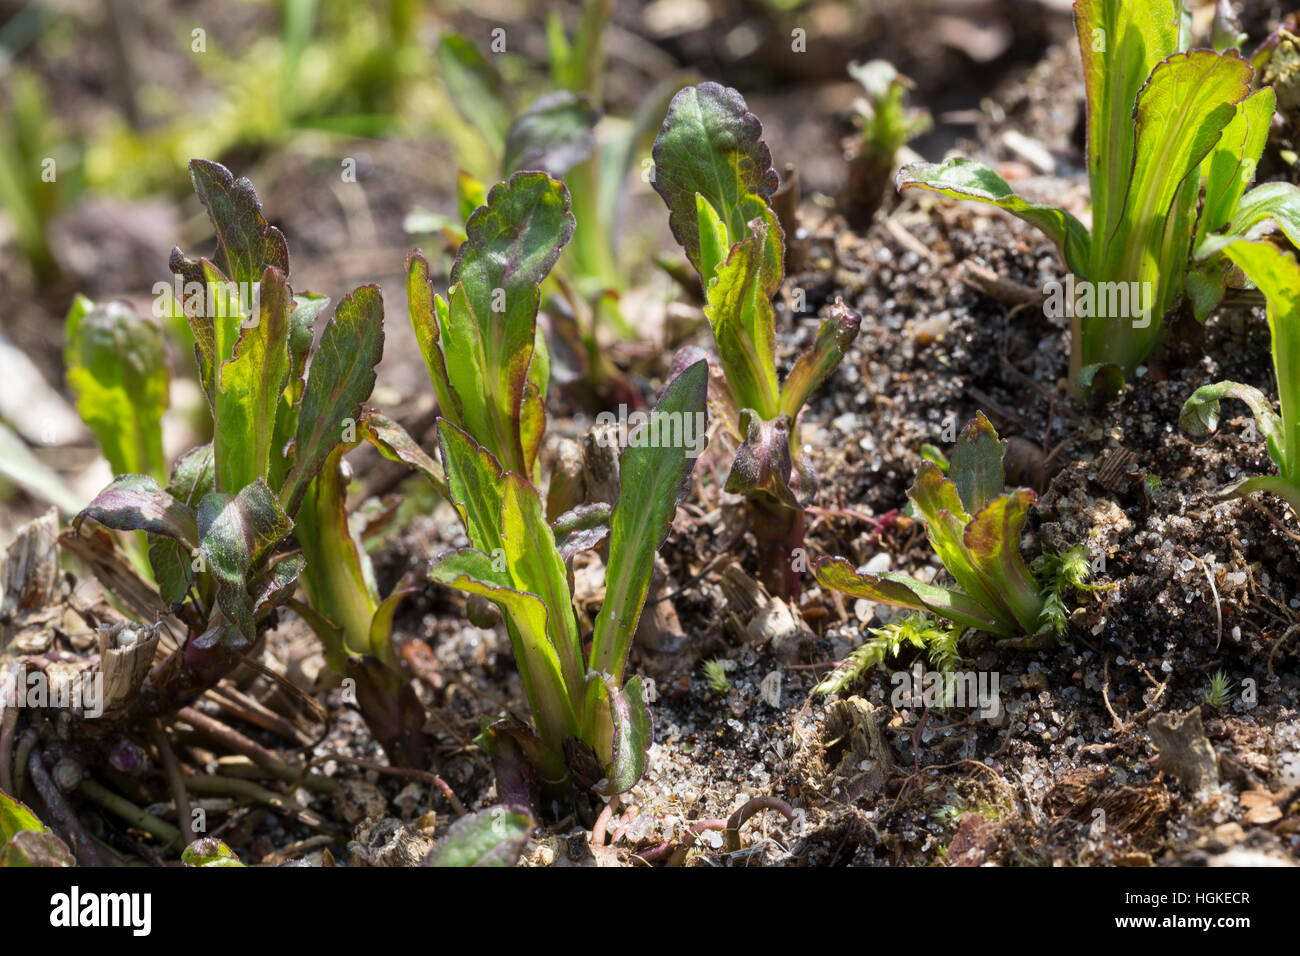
133	815
255	752
246	789
87	850
174	779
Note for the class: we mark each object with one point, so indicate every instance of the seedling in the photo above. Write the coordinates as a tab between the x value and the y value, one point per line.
1276	275
283	416
714	172
974	526
1163	122
887	124
1218	691
591	730
715	675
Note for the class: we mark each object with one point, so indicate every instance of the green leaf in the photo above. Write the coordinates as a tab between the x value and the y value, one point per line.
492	837
712	145
966	179
535	566
246	244
714	241
137	503
470	194
739	308
341	377
490	324
1200	415
1231	165
209	851
1121	42
473	572
396	444
249	388
25	841
940	507
1277	275
339	580
476	88
555	133
1180	115
814	366
898	590
302	332
976	467
15	818
993	541
421	303
476	485
654	471
1266	208
117	368
235	533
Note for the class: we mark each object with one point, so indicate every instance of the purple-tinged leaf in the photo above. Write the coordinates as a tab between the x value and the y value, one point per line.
137	503
341	377
630	734
555	133
814	366
763	465
899	590
274	586
712	145
235	532
209	851
246	244
396	444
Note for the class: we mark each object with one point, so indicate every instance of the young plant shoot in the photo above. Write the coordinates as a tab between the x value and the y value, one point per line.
714	172
1276	275
220	543
974	526
591	729
887	123
1164	124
